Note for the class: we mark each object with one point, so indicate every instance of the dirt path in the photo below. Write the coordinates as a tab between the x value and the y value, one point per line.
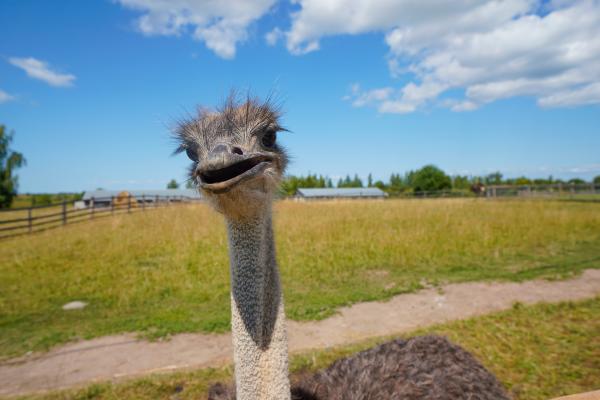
114	357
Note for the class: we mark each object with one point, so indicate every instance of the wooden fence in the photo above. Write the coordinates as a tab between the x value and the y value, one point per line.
25	220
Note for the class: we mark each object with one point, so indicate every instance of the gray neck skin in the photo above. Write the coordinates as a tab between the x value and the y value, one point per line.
258	320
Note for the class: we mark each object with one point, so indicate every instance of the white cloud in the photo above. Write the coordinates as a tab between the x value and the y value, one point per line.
273	37
465	105
38	69
221	25
589	94
488	50
5	97
361	98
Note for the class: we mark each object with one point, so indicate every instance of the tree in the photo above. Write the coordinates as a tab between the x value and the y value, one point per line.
172	184
189	184
494	178
348	182
290	184
596	180
461	182
41	199
396	183
357	182
522	180
370	180
430	178
380	185
576	181
9	161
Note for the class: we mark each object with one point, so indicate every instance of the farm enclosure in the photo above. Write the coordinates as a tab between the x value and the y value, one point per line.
166	271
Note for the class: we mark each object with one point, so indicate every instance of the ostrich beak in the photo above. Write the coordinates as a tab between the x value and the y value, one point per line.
225	168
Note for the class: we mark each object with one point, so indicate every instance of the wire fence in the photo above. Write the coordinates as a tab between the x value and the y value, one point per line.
25	220
559	190
587	191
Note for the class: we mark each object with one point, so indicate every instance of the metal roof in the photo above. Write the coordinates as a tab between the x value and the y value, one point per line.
192	193
341	192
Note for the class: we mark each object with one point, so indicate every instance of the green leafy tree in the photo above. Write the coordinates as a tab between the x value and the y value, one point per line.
494	178
576	181
189	184
521	180
544	181
596	180
9	161
380	185
461	182
430	178
396	182
370	180
172	184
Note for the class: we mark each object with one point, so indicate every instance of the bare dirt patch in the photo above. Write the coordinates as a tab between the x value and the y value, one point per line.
119	356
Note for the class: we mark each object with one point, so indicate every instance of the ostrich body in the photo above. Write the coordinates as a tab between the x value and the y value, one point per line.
238	166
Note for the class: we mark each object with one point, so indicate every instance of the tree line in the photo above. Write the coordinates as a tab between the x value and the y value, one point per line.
429	178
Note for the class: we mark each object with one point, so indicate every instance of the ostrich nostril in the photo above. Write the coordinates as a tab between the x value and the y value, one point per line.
237	150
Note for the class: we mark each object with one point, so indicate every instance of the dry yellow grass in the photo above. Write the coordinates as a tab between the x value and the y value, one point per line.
165	271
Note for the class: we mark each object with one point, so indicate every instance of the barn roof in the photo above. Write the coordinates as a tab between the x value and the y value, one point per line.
341	192
97	194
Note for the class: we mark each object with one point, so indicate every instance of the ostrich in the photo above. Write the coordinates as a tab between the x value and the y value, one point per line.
238	164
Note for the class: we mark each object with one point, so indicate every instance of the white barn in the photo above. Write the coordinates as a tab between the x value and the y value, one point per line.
340	193
104	198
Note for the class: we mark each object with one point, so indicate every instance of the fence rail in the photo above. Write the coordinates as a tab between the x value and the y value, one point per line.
25	220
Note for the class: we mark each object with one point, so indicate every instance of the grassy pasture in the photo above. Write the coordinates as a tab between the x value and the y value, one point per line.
165	271
538	352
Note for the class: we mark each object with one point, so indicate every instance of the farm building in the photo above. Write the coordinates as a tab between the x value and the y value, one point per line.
104	198
340	193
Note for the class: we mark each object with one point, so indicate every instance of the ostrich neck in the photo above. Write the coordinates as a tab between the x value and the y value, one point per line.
258	320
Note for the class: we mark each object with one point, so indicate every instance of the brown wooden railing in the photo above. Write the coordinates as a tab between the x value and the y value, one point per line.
25	220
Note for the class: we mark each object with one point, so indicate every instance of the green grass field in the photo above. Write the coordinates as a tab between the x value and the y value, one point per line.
166	271
538	352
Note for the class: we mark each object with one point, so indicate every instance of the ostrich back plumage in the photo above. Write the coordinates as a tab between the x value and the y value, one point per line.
424	367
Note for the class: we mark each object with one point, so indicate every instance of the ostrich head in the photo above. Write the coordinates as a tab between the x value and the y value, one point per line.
237	162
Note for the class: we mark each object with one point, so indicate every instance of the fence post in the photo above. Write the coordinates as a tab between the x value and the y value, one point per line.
64	212
29	220
156	201
143	202
93	203
129	203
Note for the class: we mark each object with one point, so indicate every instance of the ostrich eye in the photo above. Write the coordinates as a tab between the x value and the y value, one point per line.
269	138
191	153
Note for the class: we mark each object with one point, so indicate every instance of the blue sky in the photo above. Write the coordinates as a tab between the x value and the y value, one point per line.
92	88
